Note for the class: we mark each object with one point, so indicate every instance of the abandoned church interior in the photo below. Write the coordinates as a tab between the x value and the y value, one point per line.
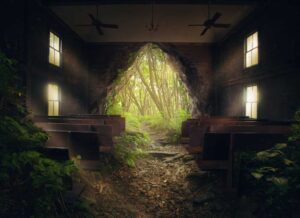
223	74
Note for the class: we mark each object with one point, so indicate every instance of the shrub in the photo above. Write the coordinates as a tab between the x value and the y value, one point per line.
32	185
20	135
128	147
272	177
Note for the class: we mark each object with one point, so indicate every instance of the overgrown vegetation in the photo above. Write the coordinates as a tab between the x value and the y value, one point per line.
129	147
272	177
151	93
31	185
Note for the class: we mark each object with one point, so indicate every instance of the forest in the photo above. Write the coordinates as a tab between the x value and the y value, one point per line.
151	91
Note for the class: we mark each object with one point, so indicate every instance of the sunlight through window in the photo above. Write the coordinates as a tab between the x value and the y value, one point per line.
251	101
251	50
54	49
53	100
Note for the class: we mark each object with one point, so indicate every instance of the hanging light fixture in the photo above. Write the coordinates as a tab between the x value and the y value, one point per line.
152	27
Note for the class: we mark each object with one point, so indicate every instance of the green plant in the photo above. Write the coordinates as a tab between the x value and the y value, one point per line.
32	185
128	148
20	134
273	177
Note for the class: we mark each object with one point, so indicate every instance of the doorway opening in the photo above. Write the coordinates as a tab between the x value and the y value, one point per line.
151	93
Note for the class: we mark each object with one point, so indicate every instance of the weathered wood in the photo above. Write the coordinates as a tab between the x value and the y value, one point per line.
117	122
218	138
213	165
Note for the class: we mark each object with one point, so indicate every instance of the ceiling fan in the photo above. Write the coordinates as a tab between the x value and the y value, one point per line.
211	22
98	24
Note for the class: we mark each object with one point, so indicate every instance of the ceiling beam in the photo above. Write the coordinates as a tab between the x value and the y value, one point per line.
168	2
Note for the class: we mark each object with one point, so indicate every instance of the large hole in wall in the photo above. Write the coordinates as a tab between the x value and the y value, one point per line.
151	91
105	81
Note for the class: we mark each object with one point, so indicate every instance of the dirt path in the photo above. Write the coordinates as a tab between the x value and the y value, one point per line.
166	184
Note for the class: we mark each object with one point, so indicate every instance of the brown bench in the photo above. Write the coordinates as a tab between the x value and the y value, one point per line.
82	135
117	122
84	143
189	123
104	131
222	141
196	132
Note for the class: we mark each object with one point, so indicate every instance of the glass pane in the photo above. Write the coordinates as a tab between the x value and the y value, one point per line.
57	58
52	92
55	92
254	91
249	94
51	40
50	108
56	43
248	109
254	56
248	59
51	55
255	40
56	108
249	43
254	110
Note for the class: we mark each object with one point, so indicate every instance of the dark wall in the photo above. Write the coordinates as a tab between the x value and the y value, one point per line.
106	61
72	76
277	74
26	38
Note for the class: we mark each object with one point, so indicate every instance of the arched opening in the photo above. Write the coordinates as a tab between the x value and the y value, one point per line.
151	92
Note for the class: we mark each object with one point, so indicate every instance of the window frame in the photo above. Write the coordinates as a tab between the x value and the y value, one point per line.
59	51
246	100
245	50
53	101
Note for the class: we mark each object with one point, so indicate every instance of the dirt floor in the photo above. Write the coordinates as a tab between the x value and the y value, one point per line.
167	183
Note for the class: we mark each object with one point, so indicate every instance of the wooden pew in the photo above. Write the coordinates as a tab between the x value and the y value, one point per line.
83	143
82	135
117	122
188	127
197	132
222	141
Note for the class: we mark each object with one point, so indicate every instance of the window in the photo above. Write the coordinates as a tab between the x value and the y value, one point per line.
55	49
251	50
53	100
251	101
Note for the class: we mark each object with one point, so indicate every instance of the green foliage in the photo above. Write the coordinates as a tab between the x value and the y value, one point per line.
295	136
18	134
150	92
129	147
273	177
133	122
11	91
31	185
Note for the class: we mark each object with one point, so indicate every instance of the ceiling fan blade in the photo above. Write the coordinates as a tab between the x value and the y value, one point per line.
204	31
216	17
113	26
196	25
92	18
221	25
99	29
